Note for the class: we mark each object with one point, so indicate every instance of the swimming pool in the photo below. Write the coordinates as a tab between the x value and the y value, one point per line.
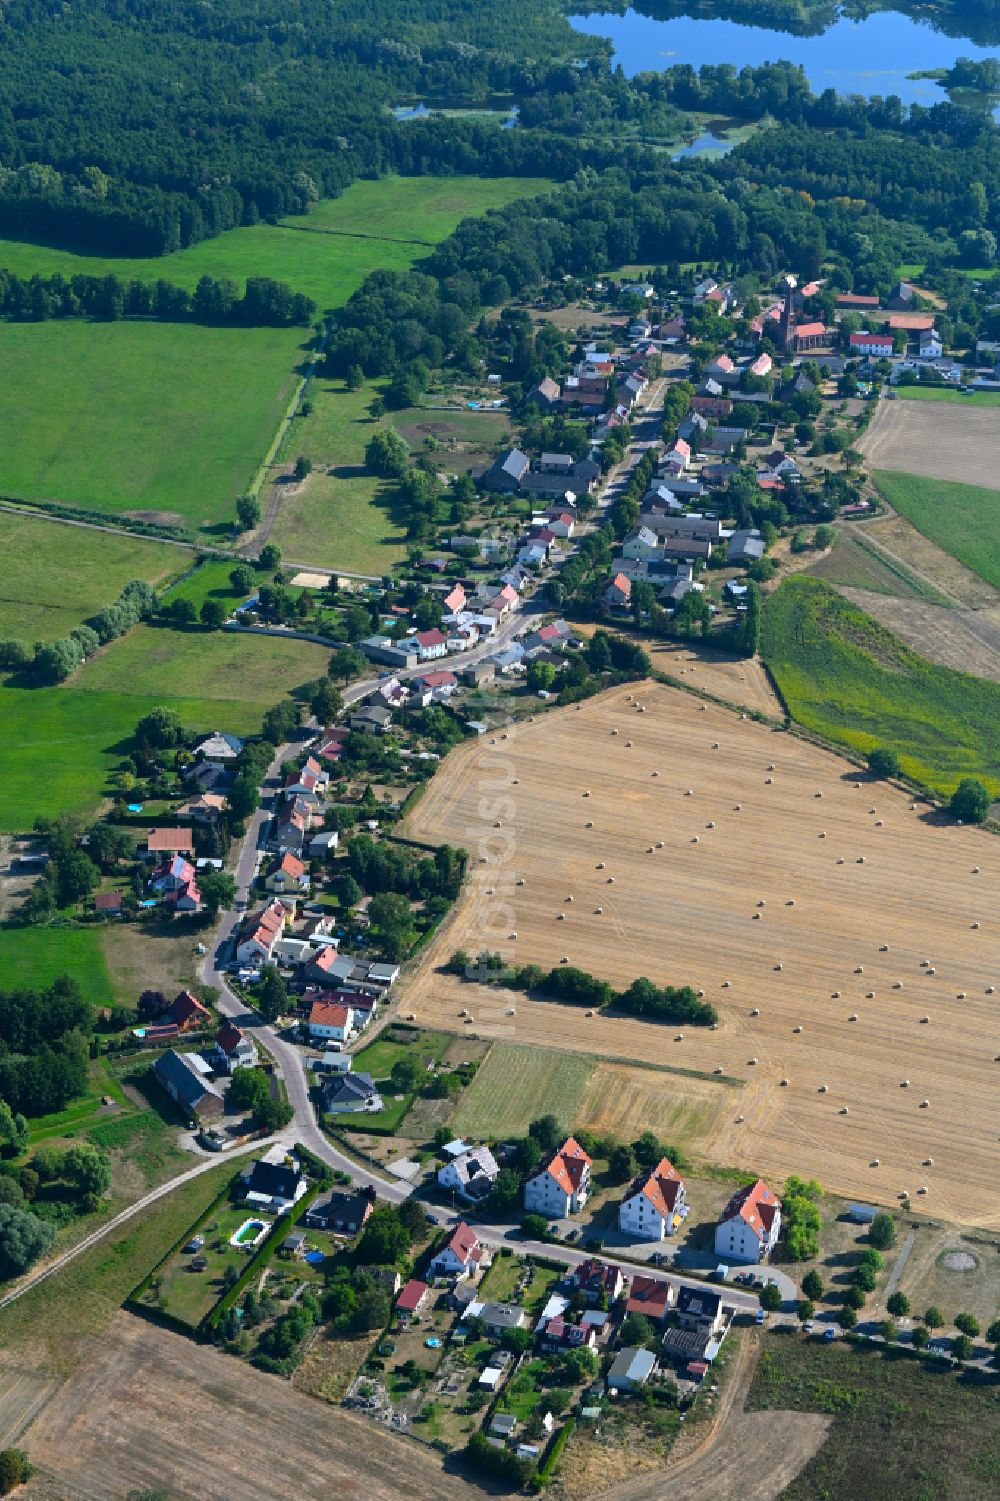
249	1233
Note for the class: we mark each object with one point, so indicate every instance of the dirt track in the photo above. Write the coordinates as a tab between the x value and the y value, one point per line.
938	438
686	913
153	1409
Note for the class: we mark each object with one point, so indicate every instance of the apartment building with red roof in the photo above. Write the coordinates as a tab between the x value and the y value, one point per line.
750	1224
653	1206
561	1183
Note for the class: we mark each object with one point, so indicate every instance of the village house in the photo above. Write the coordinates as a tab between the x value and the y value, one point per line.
497	1318
471	1174
288	877
219	750
351	1094
745	546
619	591
309	784
329	1022
653	1206
177	884
461	1254
595	1279
559	1333
291	825
275	1181
260	931
184	1076
323	844
750	1224
412	1298
545	394
632	1368
506	472
652	1297
877	345
561	1183
430	644
206	808
187	1013
343	1211
374	718
169	841
233	1049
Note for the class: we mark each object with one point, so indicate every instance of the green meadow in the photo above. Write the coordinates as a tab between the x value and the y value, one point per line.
949	393
846	677
55	576
963	519
342	516
168	418
387	223
31	958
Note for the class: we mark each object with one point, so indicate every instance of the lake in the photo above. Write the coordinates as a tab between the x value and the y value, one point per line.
870	56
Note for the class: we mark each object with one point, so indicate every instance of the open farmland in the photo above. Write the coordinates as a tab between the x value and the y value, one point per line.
150	1408
844	676
54	577
964	640
688	912
165	420
963	519
517	1084
945	442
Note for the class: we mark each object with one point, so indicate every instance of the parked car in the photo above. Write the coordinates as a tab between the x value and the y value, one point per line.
195	1243
760	1316
829	1332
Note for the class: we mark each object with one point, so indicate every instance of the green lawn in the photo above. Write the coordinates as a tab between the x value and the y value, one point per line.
55	576
963	519
195	662
190	1295
58	746
846	677
416	212
377	1059
422	210
34	957
341	517
57	1322
950	393
900	1430
210	580
516	1084
162	417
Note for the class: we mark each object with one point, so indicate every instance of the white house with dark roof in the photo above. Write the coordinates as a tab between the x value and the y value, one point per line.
470	1174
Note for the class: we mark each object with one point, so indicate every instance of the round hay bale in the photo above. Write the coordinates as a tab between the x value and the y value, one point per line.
777	969
922	1189
771	766
861	860
659	844
586	794
654	773
519	881
853	1016
569	898
694	839
931	970
878	823
975	870
679	1037
511	1011
873	810
960	996
990	989
589	824
762	902
859	969
835	995
768	781
897	984
649	849
498	824
628	745
600	865
904	1083
751	1062
715	745
924	1020
469	1020
490	891
726	984
869	995
857	786
717	1069
756	917
740	1119
737	807
689	792
928	1162
798	1029
883	948
588	1013
598	911
875	1162
610	881
823	834
790	902
700	994
755	1011
515	782
823	1089
925	1104
841	860
564	959
560	917
512	936
615	732
710	825
411	1016
784	1083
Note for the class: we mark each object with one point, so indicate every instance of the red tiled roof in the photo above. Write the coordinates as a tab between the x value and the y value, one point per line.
649	1296
185	1006
411	1295
810	330
108	901
292	866
170	839
229	1037
326	1014
660	1185
464	1241
567	1164
430	638
755	1204
869	338
326	958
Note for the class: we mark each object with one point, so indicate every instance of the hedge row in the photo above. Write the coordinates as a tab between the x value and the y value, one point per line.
144	1285
545	1470
282	1225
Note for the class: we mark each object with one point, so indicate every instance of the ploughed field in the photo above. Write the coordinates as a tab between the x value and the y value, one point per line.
944	441
687	912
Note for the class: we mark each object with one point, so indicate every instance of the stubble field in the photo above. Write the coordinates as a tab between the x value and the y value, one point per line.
687	912
946	442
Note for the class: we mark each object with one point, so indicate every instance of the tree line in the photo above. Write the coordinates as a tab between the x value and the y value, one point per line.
576	987
265	302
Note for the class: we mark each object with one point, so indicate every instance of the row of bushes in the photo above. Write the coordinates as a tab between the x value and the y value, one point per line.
53	661
576	987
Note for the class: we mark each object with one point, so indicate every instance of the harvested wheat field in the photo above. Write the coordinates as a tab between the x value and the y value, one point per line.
153	1409
949	442
965	640
737	680
768	873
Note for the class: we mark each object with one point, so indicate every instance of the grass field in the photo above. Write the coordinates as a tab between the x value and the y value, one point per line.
420	210
55	576
160	417
210	580
517	1084
34	957
901	1431
404	215
963	519
688	913
58	746
949	393
341	516
60	1322
846	677
251	671
853	563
